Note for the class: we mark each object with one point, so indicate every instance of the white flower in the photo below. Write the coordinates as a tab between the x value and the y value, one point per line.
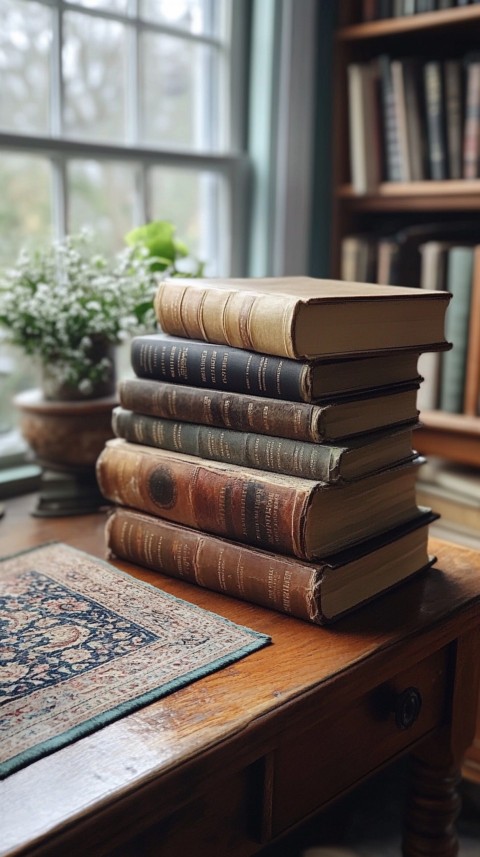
57	302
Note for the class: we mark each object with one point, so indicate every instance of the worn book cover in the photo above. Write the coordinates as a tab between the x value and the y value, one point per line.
288	514
316	592
332	419
328	462
222	367
302	317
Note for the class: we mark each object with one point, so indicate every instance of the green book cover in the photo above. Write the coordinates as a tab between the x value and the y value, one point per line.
459	283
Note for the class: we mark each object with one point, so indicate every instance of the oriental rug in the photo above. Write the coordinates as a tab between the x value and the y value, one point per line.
83	644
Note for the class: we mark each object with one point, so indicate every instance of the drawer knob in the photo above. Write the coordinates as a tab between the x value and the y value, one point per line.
407	707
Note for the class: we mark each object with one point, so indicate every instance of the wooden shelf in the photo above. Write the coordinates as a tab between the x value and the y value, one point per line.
450	195
453	436
448	33
443	33
438	20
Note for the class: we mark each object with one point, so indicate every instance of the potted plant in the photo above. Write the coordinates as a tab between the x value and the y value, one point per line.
68	306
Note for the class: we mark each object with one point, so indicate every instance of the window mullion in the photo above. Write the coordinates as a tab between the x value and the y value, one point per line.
59	171
133	75
60	202
56	76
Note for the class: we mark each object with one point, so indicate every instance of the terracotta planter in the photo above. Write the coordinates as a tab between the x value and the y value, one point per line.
65	434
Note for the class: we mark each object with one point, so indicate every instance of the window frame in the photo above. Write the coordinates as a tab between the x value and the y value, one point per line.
231	162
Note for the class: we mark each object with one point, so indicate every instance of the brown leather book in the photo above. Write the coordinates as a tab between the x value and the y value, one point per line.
334	419
302	317
317	592
287	514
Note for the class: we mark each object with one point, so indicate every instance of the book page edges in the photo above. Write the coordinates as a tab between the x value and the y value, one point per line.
304	290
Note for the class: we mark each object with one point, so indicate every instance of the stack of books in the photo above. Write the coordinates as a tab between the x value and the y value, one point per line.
264	447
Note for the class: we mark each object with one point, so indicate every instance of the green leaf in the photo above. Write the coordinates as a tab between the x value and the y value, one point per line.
142	309
181	248
157	237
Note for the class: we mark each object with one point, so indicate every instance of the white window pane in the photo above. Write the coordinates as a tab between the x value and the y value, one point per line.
195	16
191	201
25	203
94	63
109	5
102	196
180	104
25	45
17	372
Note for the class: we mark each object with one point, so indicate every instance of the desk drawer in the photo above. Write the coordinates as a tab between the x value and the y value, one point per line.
333	754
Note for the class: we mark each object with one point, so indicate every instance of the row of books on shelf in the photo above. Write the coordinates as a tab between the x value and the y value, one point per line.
373	10
265	446
412	119
454	491
452	379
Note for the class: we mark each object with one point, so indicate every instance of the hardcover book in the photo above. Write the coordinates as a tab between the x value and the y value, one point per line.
316	592
302	317
454	109
358	258
453	374
472	374
471	136
352	459
302	517
436	120
394	170
434	256
365	155
415	118
223	367
333	419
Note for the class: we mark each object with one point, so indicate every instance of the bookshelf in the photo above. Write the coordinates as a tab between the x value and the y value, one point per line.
440	34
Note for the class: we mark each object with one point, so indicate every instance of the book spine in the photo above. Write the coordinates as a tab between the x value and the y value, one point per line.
390	128
242	319
437	155
472	378
356	115
274	454
296	420
201	364
433	273
454	116
459	282
399	100
416	131
471	138
369	10
208	497
269	580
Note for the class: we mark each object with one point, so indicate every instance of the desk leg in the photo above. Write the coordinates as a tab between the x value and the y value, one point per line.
433	803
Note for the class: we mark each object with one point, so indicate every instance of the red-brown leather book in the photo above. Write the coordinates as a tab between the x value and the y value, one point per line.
316	592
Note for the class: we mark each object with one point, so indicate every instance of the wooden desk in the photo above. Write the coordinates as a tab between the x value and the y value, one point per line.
238	758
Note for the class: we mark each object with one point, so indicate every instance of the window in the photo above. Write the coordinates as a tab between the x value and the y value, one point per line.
115	112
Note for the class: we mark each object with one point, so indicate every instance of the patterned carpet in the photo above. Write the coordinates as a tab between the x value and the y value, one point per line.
84	644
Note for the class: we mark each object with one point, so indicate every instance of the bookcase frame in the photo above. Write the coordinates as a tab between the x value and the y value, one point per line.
443	33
